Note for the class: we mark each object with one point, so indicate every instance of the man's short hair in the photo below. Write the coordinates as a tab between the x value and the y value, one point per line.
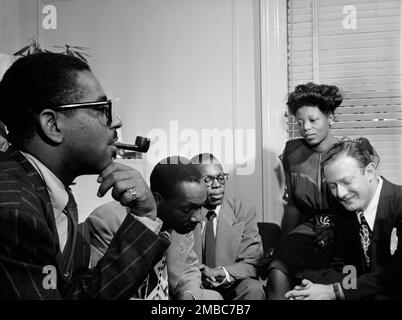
360	149
170	172
33	83
204	158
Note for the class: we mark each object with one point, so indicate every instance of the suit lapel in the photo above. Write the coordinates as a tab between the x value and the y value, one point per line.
228	235
380	249
39	186
198	242
176	257
382	207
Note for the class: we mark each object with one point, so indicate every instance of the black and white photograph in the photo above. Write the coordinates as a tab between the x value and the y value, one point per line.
222	152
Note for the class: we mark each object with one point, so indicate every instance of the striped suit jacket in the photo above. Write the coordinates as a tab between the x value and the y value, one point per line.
29	247
182	263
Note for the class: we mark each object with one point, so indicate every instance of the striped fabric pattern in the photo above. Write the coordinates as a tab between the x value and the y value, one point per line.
29	243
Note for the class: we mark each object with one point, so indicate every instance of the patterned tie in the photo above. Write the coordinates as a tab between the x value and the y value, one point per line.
210	240
365	235
155	285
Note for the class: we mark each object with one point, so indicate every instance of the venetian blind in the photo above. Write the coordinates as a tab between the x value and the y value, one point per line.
358	48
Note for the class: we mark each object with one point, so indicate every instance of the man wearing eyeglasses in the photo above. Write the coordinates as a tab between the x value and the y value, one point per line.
179	193
227	241
61	126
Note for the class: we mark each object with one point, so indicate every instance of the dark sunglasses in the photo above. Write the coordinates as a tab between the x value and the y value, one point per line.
105	106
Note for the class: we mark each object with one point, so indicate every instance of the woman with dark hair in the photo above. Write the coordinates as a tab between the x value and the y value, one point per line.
307	223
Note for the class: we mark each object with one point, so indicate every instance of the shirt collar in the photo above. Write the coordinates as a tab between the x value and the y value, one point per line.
371	210
216	210
57	192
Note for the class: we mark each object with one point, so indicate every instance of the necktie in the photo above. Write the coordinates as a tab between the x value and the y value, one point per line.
71	213
155	285
365	234
210	240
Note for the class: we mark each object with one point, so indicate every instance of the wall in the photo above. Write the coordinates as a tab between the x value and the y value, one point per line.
9	26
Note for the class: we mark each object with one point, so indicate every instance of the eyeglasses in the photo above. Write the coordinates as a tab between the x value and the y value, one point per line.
105	106
221	178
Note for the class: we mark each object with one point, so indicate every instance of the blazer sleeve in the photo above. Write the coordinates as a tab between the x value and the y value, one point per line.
28	252
182	262
250	251
131	254
185	278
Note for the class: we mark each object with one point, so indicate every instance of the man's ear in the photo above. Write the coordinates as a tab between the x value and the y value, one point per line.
370	171
158	199
50	127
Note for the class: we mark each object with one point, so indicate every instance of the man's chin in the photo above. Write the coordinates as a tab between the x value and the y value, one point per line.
108	159
114	155
215	203
110	154
351	206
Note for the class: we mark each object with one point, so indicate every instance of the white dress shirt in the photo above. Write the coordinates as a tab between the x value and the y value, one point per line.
215	221
371	211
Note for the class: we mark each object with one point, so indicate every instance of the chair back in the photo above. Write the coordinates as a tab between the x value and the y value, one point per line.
270	234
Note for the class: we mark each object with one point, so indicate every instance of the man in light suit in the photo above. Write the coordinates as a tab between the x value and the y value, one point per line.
368	229
60	125
227	242
179	194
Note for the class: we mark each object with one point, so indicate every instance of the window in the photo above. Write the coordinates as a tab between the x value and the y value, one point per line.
355	45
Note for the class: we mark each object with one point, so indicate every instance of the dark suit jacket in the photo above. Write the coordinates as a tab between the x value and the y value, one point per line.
29	242
385	277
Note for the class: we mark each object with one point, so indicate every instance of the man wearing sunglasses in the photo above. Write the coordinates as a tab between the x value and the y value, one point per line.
227	241
60	125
